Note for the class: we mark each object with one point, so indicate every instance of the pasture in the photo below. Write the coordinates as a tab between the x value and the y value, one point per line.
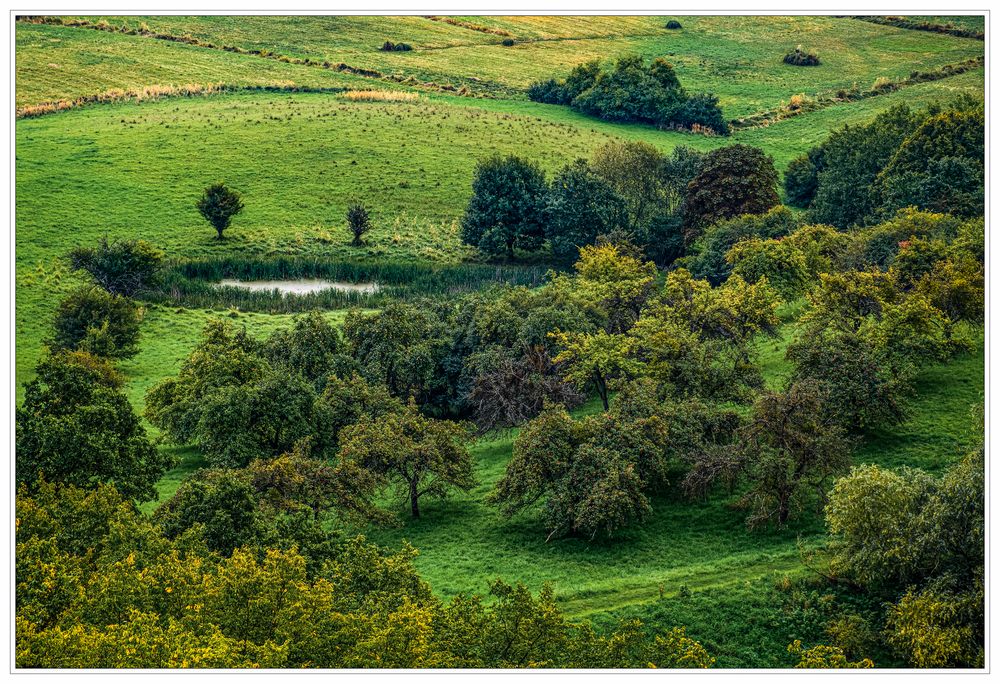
135	169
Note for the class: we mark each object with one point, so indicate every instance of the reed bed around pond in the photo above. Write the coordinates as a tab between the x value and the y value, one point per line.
195	284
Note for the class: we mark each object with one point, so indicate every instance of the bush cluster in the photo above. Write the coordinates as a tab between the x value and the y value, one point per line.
673	25
632	91
389	46
801	57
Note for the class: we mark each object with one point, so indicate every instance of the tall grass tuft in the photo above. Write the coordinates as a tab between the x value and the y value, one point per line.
380	96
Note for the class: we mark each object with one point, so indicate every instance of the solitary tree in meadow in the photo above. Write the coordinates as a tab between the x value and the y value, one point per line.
359	222
219	204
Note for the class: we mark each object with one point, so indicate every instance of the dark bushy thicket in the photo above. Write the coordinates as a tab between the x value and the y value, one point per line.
800	57
507	42
673	25
633	92
931	159
389	46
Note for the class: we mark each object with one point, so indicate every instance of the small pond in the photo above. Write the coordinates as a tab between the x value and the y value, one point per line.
301	286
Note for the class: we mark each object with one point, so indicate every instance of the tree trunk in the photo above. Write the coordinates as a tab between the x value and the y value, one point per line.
219	231
783	512
602	388
414	508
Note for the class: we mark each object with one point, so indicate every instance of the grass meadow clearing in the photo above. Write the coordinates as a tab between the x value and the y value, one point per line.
135	170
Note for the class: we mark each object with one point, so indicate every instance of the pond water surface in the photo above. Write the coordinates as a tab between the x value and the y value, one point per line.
301	286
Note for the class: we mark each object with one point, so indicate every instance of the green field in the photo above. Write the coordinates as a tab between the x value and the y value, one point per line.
135	170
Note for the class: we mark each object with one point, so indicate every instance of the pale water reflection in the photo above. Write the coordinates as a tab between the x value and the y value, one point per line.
301	286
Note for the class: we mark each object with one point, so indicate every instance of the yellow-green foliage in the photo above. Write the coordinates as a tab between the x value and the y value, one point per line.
99	587
824	657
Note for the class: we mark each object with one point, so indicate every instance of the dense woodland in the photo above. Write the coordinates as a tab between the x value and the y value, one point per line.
629	376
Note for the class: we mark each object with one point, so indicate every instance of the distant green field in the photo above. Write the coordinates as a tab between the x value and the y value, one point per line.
739	58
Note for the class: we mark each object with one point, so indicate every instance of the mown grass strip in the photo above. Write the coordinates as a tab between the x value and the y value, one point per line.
801	104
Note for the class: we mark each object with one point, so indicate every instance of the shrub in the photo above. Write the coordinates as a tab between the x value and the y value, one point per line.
122	267
703	110
359	222
98	322
708	254
389	46
673	25
778	261
801	57
507	42
634	92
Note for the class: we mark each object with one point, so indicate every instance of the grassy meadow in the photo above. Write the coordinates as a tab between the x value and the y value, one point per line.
135	170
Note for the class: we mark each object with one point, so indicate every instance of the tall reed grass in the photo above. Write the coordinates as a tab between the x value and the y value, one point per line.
194	284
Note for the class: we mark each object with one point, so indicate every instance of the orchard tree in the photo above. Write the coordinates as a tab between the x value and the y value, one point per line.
507	206
863	392
617	280
791	449
542	453
732	181
121	267
219	204
423	456
76	426
347	400
92	320
596	359
401	346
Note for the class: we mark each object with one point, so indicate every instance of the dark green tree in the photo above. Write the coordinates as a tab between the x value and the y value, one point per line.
580	207
219	204
732	181
76	426
507	206
359	222
92	320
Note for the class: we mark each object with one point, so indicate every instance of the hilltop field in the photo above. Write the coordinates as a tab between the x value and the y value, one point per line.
124	120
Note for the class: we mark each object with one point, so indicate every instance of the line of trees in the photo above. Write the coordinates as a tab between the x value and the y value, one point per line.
628	191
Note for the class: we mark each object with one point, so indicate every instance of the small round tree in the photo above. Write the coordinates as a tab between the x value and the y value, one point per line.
359	222
507	208
95	321
733	180
219	204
